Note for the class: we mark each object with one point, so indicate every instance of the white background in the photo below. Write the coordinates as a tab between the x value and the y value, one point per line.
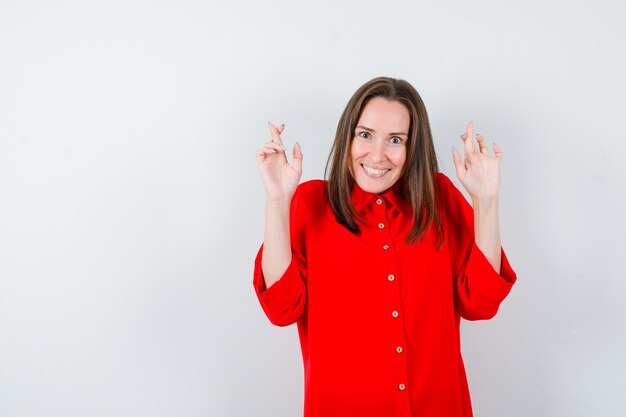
131	207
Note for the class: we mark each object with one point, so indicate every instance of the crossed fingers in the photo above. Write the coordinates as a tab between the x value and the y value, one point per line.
468	139
275	144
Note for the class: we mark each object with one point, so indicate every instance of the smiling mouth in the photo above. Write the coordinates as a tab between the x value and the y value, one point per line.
374	173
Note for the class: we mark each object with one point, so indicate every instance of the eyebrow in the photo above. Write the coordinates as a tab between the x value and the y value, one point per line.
392	133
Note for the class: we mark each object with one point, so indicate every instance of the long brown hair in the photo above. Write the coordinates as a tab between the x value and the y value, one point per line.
417	180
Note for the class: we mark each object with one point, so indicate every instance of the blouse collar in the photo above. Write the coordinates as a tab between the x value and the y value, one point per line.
361	198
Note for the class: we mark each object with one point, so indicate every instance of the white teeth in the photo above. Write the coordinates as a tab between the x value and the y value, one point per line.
376	172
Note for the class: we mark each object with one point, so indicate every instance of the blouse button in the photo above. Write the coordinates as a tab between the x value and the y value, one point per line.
402	387
391	277
394	313
381	225
399	349
385	247
379	201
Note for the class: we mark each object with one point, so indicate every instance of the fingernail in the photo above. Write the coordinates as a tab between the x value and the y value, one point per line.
282	147
298	143
273	150
283	125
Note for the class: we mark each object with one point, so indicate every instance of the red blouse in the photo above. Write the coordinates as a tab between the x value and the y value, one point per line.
378	319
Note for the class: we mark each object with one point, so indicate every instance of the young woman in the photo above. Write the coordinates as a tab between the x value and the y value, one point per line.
378	264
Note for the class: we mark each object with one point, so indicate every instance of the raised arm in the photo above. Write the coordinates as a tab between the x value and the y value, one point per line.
280	180
480	175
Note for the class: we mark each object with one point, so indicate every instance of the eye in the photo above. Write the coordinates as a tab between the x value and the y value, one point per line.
395	140
365	135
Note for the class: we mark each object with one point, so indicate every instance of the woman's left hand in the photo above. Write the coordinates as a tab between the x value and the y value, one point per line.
478	172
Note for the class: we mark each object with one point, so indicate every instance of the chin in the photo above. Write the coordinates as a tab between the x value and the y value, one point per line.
373	186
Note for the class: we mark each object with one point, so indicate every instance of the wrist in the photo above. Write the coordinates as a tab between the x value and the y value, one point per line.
277	203
485	204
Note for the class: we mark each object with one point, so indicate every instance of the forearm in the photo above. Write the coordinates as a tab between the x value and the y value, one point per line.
276	243
487	230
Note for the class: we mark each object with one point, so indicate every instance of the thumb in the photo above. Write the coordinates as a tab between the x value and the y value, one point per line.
297	158
458	163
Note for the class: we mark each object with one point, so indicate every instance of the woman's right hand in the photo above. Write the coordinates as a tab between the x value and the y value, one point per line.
280	179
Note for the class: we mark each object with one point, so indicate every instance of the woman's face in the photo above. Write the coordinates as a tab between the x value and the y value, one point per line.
378	149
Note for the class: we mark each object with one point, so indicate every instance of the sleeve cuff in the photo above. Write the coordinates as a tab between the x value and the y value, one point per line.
493	286
284	296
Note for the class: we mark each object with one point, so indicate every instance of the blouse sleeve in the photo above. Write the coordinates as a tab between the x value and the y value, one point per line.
479	288
285	301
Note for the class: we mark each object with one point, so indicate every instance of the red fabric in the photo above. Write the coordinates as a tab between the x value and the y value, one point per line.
339	291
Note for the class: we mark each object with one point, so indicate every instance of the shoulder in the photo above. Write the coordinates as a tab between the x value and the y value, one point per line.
311	193
308	202
312	189
451	200
442	182
446	187
449	194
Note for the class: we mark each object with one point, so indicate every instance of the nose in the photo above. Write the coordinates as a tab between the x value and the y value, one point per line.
378	151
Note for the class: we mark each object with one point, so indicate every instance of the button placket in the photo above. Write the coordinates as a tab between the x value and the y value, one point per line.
398	341
398	344
380	209
382	229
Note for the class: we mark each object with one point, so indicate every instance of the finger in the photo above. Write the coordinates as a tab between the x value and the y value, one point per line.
275	133
297	158
263	153
278	147
281	128
458	164
482	145
469	139
266	150
497	151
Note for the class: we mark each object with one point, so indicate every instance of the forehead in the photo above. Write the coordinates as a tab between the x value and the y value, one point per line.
385	115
